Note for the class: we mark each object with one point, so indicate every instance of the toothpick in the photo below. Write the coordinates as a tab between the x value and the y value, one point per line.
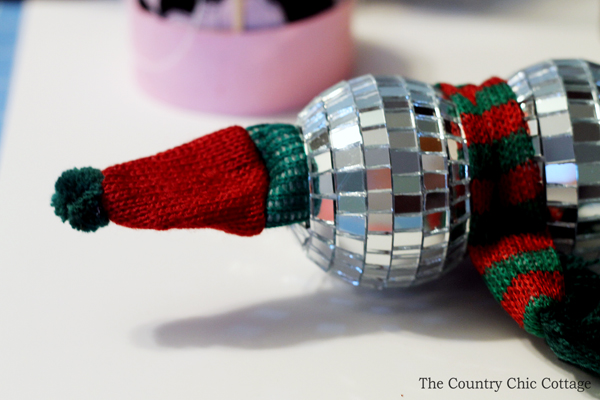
238	15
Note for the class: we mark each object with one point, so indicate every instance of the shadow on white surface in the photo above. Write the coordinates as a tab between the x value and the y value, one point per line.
457	307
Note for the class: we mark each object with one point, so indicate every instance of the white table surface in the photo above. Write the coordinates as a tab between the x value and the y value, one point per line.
124	314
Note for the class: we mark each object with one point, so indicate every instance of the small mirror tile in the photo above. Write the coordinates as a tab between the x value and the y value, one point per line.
353	224
392	91
589	211
582	110
380	201
352	204
345	103
403	140
323	247
565	174
430	143
405	262
380	223
350	244
345	136
561	194
377	259
436	239
350	181
379	242
322	162
402	239
457	211
589	173
589	192
425	111
433	181
316	123
325	184
585	152
395	103
323	229
586	131
324	209
368	100
407	204
409	222
421	98
533	127
433	162
547	88
362	81
426	125
401	251
407	183
349	258
556	124
348	157
404	162
447	108
453	149
551	104
434	221
320	140
343	117
379	179
560	213
558	148
436	200
528	109
375	137
580	95
458	171
399	120
377	156
372	118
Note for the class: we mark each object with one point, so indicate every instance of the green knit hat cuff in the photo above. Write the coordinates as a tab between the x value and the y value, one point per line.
282	150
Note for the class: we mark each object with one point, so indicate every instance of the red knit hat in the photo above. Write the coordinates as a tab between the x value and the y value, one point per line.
218	181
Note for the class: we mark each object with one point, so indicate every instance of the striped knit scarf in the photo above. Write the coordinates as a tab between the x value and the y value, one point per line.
509	244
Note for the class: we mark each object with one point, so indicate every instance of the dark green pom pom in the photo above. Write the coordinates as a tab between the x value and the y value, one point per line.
78	199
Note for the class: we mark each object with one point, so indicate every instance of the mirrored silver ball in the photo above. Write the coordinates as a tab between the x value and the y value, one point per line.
389	182
560	101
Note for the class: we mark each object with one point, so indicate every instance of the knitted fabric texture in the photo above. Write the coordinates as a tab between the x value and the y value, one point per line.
78	199
509	243
282	150
218	181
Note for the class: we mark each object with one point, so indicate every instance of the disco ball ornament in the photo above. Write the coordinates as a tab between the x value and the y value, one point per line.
560	101
389	182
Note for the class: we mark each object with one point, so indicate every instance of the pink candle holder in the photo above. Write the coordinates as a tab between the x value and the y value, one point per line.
254	72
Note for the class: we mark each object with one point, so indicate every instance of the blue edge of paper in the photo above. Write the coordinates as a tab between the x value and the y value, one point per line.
10	13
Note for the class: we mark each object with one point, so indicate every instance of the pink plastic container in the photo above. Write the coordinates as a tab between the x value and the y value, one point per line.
255	72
